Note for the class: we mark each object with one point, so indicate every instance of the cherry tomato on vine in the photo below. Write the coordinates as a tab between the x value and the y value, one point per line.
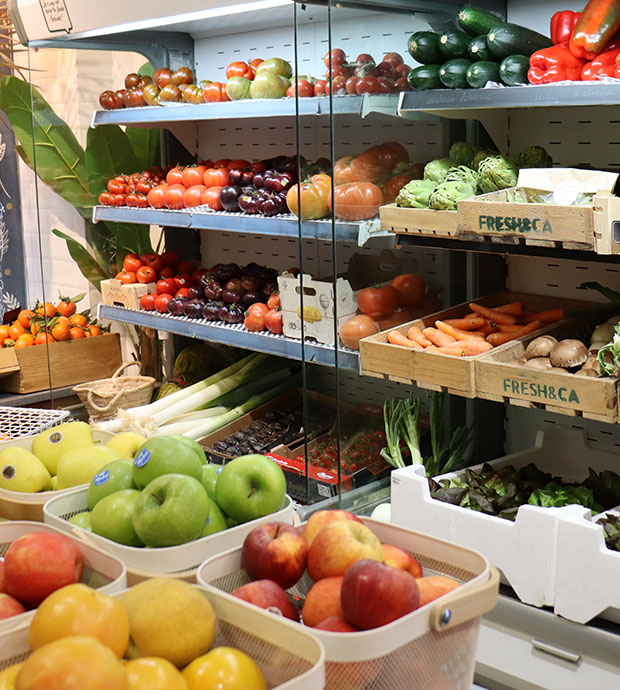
337	87
117	185
367	85
319	87
386	85
394	58
141	201
118	199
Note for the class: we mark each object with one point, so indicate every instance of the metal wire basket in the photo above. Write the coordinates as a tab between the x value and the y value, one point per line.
16	422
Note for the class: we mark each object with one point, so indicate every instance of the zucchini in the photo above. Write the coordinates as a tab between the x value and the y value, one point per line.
513	70
454	44
425	77
481	72
478	49
511	39
453	74
423	46
477	22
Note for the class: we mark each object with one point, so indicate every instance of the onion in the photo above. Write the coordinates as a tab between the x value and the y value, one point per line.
356	328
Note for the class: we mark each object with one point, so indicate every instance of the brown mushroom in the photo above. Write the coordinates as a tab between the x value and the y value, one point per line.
539	363
568	353
540	347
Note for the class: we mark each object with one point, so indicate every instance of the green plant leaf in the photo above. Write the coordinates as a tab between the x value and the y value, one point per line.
102	243
146	146
129	239
90	269
147	70
47	142
109	153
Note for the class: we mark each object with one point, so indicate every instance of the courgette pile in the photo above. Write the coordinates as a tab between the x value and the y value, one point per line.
484	49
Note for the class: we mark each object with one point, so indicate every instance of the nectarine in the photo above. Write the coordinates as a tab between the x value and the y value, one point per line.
398	558
434	586
335	624
323	601
322	518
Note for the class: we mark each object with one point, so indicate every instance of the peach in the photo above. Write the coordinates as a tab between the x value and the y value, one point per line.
398	558
434	586
323	601
335	624
322	518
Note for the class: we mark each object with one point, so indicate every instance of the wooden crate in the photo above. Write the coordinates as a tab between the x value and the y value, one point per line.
114	293
25	370
435	371
500	378
419	221
607	223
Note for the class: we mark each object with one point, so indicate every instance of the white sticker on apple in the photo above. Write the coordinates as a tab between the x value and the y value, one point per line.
274	609
56	437
101	478
142	458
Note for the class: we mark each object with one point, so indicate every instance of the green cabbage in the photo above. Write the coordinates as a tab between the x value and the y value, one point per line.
446	194
462	153
534	157
415	194
436	170
497	172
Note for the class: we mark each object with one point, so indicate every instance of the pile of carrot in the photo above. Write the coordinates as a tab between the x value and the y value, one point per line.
476	332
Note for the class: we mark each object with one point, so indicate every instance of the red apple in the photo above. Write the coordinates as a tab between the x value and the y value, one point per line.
268	595
322	601
1	574
335	624
9	606
321	518
38	564
374	594
338	546
435	586
398	558
275	551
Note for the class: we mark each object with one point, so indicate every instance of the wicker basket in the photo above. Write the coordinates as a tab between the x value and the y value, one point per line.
105	397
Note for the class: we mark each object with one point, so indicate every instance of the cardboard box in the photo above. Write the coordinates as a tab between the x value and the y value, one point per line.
25	370
114	293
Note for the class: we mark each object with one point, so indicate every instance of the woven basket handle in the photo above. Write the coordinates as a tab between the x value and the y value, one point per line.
105	408
122	367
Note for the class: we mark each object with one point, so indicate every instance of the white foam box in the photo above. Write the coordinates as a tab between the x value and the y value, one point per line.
526	551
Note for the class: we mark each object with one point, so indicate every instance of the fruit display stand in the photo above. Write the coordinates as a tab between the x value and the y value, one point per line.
289	657
20	505
16	422
171	561
101	570
435	644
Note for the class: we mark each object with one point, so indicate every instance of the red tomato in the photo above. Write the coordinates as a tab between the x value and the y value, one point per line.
161	303
338	57
394	58
239	163
350	85
175	175
117	186
221	163
273	321
146	274
356	200
398	149
386	85
367	85
131	199
402	84
274	301
396	183
338	71
126	277
386	69
166	272
303	87
382	156
193	196
239	69
319	87
410	288
254	66
170	258
105	199
188	266
117	199
378	302
173	196
147	302
153	260
155	197
141	201
363	58
184	280
215	177
192	175
402	70
338	86
131	262
166	286
211	197
182	292
258	167
255	317
215	92
162	77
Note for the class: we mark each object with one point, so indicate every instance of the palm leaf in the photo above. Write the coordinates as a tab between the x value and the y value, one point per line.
109	153
88	265
146	146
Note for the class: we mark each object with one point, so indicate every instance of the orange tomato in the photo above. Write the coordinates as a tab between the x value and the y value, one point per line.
63	319
46	309
66	307
78	320
127	277
43	338
24	317
60	332
77	333
24	340
4	332
15	330
94	330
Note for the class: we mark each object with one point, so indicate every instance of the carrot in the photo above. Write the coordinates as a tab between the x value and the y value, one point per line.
515	308
466	324
548	316
415	333
500	338
506	328
466	348
488	327
456	333
438	337
492	314
398	338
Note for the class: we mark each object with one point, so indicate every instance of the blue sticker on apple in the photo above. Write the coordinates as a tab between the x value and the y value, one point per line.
142	458
101	478
219	469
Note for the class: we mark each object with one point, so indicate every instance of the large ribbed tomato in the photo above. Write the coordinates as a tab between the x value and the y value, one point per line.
314	196
356	201
362	168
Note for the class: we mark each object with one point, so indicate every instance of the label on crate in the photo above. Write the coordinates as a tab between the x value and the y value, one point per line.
520	224
101	478
142	458
531	389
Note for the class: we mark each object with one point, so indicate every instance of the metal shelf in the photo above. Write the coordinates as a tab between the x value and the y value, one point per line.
275	226
235	335
23	399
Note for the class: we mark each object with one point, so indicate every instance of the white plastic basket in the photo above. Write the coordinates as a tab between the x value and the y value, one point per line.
101	570
432	647
19	505
16	422
168	559
289	656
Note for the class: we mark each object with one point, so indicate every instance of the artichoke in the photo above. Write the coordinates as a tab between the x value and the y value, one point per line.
462	153
436	170
480	156
464	174
415	194
446	194
534	157
496	172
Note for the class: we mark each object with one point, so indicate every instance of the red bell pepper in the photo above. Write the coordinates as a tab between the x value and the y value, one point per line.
599	21
604	65
562	25
553	64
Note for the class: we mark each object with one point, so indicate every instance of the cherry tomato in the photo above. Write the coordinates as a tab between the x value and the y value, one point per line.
126	277
131	262
166	286
350	85
162	77
303	87
338	57
273	321
363	58
182	292
117	185
211	197
215	177
402	70
166	272
215	92
254	65
173	196
105	199
367	85
193	196
386	85
386	69
338	86
170	258
117	199
183	75
147	302
141	201
338	71
153	260
161	303
319	87
394	58
402	84
175	175
131	199
192	175
155	197
239	69
146	274
184	280
131	80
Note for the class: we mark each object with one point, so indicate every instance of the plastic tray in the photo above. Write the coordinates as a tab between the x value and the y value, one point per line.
418	645
16	422
289	657
101	570
18	505
168	559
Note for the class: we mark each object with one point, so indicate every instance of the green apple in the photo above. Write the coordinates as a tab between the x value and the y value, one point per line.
114	476
165	455
209	477
216	520
172	509
21	470
80	466
249	487
81	520
49	445
127	442
190	443
54	483
112	517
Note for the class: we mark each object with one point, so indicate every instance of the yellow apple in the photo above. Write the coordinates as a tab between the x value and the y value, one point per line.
127	442
49	445
7	677
80	466
152	673
21	470
224	667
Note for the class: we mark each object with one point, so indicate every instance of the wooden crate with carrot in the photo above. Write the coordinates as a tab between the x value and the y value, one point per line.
439	351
